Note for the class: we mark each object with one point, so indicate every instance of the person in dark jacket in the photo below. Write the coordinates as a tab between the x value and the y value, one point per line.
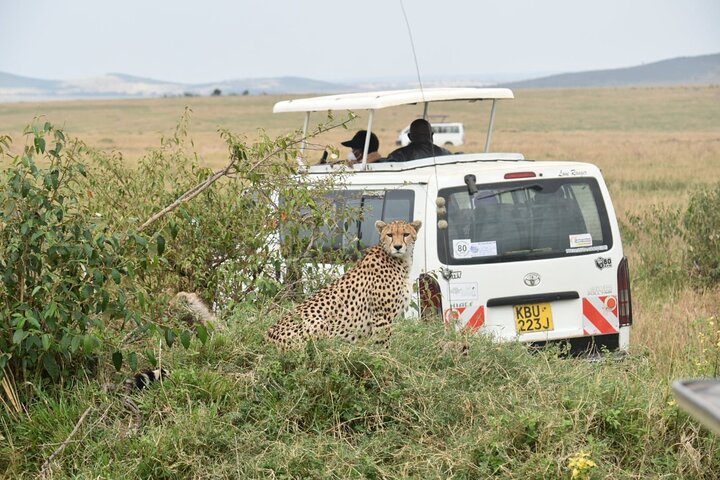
421	144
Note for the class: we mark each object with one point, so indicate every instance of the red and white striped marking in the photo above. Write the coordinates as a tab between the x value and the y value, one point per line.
465	318
600	315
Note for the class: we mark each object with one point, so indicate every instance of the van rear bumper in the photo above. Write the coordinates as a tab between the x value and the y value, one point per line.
592	344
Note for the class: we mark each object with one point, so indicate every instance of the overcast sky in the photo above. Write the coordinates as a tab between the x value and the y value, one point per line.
212	40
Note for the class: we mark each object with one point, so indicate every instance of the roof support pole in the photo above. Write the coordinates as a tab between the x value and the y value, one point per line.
425	110
367	138
301	159
490	126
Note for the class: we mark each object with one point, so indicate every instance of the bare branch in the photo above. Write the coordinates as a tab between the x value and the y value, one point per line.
45	469
201	187
189	195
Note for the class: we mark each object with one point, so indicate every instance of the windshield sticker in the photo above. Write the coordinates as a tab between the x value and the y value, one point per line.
581	240
464	248
461	248
463	291
599	248
483	249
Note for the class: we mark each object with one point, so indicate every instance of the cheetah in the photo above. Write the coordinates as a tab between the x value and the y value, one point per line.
364	302
189	308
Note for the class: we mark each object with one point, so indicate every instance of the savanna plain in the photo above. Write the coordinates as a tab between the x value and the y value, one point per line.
234	407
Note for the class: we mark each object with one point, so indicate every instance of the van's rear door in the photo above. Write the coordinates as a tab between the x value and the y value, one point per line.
534	259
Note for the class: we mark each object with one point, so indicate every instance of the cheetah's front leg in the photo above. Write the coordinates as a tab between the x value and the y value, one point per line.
382	331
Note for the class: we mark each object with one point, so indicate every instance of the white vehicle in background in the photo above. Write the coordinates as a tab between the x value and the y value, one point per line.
444	134
510	247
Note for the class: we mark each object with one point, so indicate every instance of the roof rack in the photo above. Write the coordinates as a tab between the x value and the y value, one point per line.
419	163
372	101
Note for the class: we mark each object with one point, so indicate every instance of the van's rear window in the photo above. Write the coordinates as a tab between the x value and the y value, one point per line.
529	219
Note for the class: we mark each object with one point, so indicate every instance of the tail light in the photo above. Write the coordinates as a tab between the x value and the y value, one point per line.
513	175
624	297
430	296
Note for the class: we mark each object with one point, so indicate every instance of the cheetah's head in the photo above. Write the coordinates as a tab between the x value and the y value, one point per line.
398	237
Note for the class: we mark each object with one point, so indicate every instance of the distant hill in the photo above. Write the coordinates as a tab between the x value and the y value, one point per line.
8	80
703	69
684	70
118	85
273	86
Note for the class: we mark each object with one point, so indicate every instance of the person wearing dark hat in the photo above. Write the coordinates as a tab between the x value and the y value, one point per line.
421	144
357	146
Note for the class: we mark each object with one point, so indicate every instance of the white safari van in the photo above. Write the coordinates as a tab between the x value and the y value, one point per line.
444	134
513	248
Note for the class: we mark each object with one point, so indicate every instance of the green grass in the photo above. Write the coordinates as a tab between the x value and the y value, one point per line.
237	408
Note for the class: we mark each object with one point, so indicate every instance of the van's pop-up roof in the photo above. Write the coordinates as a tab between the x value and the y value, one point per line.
389	98
372	101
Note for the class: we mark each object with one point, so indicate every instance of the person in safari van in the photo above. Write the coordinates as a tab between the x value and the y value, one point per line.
357	145
421	144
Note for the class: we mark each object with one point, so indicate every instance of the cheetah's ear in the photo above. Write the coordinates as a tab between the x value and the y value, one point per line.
380	225
416	225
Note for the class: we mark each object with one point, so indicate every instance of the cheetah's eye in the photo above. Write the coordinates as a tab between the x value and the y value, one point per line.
406	234
389	235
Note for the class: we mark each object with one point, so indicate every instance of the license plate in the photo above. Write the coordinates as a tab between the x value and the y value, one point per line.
536	317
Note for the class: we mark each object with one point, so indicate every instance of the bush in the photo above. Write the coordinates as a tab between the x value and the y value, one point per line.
657	238
675	244
702	234
223	243
78	265
65	274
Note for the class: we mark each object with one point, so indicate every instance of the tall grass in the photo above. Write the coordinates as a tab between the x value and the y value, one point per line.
236	408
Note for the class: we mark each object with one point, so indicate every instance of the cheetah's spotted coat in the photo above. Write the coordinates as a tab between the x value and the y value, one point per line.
364	301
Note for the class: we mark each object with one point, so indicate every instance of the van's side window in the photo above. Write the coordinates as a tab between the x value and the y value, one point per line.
385	205
373	205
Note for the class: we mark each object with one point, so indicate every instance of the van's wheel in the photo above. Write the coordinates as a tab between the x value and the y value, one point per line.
448	144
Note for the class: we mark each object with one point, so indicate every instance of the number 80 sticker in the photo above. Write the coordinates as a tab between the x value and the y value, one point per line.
461	248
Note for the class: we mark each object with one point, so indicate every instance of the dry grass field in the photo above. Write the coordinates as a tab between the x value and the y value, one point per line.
654	145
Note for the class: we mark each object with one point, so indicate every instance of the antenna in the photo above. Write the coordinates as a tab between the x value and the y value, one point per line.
448	273
412	45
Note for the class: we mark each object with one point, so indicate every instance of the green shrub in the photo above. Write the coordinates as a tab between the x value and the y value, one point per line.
65	274
223	243
702	234
674	244
79	266
657	238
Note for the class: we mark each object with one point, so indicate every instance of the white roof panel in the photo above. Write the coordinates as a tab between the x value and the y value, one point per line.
389	98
